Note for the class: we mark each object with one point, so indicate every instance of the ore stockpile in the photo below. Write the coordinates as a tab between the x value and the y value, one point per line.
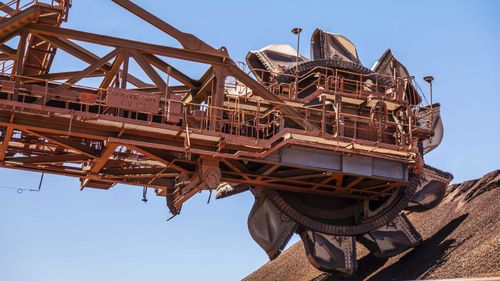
331	150
460	241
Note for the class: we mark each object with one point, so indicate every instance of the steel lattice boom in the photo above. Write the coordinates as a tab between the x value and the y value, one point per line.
335	147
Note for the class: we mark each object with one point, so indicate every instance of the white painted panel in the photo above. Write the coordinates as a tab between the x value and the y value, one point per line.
311	158
388	169
358	165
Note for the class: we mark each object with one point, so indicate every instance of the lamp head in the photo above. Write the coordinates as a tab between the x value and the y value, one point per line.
296	30
428	79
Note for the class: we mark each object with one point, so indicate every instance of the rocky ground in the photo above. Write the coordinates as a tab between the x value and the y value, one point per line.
461	239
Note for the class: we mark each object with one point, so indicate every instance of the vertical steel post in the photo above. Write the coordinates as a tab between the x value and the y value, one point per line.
297	32
429	80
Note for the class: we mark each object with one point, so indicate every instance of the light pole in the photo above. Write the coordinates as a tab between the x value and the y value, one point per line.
429	80
297	31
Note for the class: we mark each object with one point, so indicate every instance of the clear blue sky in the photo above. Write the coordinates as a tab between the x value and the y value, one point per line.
63	234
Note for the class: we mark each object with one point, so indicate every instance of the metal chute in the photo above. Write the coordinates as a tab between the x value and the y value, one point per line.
272	60
269	226
326	45
392	239
434	123
330	253
431	191
389	66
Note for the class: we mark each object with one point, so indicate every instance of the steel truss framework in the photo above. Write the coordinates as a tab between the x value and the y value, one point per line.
66	129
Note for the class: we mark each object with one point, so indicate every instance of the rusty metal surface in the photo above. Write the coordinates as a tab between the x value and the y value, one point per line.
334	217
392	239
330	253
431	191
326	45
303	134
269	226
133	100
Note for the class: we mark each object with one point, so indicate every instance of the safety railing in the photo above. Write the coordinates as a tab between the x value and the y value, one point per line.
13	7
6	67
341	82
236	117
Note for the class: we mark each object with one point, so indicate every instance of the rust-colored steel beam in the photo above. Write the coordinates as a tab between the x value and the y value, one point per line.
111	74
66	143
177	53
188	41
60	76
51	159
7	135
6	8
125	73
6	56
237	167
19	59
354	182
85	55
149	70
99	162
82	74
157	157
7	50
172	71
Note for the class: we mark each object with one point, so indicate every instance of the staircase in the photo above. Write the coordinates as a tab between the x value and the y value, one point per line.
39	53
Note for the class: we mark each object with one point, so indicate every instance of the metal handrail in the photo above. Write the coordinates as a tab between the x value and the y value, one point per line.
234	120
358	88
17	6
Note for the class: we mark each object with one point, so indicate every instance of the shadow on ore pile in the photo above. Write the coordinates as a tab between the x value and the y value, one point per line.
414	263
